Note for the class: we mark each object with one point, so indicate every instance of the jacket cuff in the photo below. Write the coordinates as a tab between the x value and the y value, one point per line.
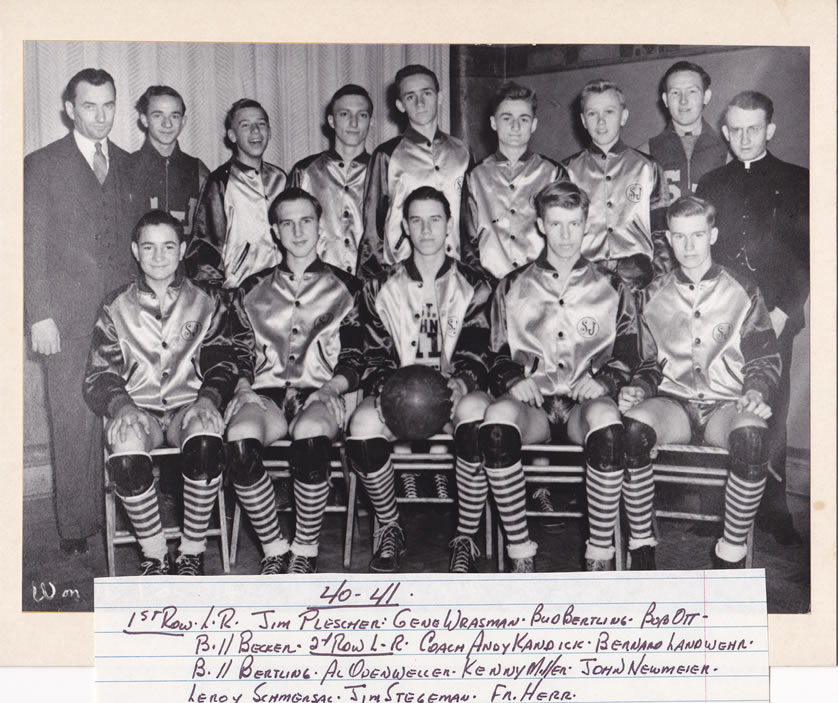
117	402
757	384
213	394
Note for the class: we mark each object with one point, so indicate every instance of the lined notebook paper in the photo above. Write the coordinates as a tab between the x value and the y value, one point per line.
676	636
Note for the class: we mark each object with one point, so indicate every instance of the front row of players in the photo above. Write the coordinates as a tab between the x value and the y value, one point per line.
569	360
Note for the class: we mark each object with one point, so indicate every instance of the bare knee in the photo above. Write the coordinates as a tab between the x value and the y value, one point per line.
314	421
600	412
365	421
247	423
472	407
504	411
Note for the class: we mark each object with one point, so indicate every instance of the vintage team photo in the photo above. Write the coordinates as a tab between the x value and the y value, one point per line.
414	308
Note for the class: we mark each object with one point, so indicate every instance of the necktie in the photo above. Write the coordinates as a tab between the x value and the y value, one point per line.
100	164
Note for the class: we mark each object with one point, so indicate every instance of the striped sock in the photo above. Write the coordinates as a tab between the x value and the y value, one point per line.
603	489
311	499
472	489
381	490
639	498
742	500
510	492
260	505
144	515
198	501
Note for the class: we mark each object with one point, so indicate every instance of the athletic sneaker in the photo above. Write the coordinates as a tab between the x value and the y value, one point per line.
719	563
525	565
189	565
643	558
464	552
155	567
388	556
275	565
441	486
599	565
543	502
410	487
300	564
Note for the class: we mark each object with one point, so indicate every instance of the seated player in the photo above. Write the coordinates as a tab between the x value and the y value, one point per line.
423	155
429	309
563	340
717	369
499	232
305	355
231	235
336	177
161	370
627	190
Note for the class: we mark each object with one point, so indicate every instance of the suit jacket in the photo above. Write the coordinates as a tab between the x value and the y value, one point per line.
75	235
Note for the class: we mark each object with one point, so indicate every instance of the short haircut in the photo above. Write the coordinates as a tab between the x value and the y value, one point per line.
156	91
157	217
288	195
94	76
348	89
510	90
241	105
426	193
753	100
563	194
689	205
600	85
415	69
681	66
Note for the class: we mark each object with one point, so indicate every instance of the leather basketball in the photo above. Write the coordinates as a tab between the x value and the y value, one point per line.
415	402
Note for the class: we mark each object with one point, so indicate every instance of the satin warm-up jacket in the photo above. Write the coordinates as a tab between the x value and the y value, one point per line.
304	329
161	355
391	307
559	334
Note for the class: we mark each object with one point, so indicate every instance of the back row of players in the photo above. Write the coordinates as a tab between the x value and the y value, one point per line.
277	337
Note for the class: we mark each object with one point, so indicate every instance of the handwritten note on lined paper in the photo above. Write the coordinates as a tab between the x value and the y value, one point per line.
423	638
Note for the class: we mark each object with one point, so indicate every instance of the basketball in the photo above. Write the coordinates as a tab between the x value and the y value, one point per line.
416	402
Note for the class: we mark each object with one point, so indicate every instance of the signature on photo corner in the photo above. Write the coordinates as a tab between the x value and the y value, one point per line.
46	591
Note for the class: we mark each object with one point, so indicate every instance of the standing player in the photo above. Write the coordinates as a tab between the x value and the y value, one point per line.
688	147
499	233
429	309
231	236
563	340
306	354
423	155
717	368
162	176
627	191
161	369
336	177
763	221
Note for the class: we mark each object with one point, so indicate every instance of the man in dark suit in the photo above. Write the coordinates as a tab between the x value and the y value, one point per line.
763	221
75	251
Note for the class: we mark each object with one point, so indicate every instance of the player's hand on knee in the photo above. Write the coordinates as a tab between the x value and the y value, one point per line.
244	395
46	339
629	397
333	400
752	402
587	388
526	390
129	418
204	411
458	390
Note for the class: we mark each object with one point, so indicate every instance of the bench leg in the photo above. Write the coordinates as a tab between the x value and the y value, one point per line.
351	493
110	529
222	529
234	544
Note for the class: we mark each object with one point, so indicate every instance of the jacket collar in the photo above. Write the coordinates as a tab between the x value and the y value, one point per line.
149	152
177	282
504	159
413	272
418	138
315	266
711	273
362	158
617	148
543	262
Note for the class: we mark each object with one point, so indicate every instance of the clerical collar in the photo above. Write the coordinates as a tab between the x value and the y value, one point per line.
747	164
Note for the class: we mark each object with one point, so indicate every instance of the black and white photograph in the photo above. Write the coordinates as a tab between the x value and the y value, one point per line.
414	308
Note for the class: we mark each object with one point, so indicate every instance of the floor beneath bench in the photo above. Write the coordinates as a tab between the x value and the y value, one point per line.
428	530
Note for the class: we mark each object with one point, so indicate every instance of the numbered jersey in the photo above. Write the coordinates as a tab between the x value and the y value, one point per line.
557	334
682	171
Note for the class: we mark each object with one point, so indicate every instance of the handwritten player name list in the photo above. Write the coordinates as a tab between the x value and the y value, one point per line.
671	636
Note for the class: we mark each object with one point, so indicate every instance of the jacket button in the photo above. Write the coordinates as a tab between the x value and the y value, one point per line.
561	334
413	343
165	345
697	313
158	316
294	330
561	301
697	341
346	242
608	178
555	275
296	303
512	210
291	357
561	365
701	395
164	401
436	168
340	163
165	375
511	186
416	316
609	204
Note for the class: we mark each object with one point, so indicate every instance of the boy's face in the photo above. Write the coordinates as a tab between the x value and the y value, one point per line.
427	226
564	230
603	117
514	122
158	252
691	238
164	119
298	227
748	132
685	97
350	119
250	132
92	110
419	99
